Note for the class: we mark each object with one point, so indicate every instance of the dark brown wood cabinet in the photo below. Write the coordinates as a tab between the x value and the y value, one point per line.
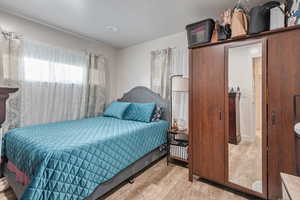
208	104
4	94
283	83
207	107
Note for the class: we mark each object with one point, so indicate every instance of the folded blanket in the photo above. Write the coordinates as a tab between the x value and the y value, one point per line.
20	176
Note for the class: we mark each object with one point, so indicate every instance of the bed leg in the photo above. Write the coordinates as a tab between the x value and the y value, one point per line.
131	180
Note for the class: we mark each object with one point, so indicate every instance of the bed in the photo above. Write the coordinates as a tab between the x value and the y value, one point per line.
85	159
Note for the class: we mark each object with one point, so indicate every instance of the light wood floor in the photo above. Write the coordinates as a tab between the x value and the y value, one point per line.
245	163
162	182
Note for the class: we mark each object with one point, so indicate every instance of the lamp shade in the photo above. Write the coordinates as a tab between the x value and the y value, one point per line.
180	84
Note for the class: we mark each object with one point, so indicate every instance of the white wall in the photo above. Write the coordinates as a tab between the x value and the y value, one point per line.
34	31
133	63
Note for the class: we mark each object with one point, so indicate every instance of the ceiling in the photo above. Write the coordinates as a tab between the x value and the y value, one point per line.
136	20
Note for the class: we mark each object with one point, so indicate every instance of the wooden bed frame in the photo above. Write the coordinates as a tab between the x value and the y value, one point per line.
138	95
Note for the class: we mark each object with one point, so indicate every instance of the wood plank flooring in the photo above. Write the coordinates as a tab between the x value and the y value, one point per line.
241	157
162	182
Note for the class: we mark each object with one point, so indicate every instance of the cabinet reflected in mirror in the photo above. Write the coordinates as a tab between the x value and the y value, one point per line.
245	129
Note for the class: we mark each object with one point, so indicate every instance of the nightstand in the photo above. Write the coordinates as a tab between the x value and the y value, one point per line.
177	146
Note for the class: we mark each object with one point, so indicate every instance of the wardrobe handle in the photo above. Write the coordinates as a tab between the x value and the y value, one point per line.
273	117
220	115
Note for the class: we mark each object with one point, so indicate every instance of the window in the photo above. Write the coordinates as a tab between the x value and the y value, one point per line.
48	64
47	71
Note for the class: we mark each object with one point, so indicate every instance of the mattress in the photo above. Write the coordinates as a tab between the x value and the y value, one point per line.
68	160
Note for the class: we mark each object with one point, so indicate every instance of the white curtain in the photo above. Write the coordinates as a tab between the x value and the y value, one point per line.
53	87
160	72
97	86
165	63
55	84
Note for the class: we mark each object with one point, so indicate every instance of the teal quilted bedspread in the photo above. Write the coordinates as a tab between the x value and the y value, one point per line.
68	160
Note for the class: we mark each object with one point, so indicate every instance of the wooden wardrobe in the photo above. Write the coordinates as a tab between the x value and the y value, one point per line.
209	110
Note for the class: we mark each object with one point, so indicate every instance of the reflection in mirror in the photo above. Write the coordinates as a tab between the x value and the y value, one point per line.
245	116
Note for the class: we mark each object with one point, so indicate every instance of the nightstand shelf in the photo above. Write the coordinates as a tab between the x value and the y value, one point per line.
177	148
183	132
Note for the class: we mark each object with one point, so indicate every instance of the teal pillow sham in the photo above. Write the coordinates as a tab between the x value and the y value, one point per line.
116	109
142	112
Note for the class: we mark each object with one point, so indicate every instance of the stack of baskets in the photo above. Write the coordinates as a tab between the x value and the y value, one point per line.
179	149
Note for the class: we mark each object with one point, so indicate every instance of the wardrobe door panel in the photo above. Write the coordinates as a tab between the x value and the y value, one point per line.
208	112
246	162
283	83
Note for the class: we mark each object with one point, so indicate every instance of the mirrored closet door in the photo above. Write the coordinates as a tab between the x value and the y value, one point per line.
246	146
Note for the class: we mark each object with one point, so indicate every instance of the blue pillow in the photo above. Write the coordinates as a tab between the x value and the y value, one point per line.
116	109
142	112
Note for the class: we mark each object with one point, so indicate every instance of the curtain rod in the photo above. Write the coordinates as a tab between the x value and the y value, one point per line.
4	33
9	35
164	49
12	35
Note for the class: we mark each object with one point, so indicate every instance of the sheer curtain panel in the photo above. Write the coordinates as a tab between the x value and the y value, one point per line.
160	72
96	86
54	85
